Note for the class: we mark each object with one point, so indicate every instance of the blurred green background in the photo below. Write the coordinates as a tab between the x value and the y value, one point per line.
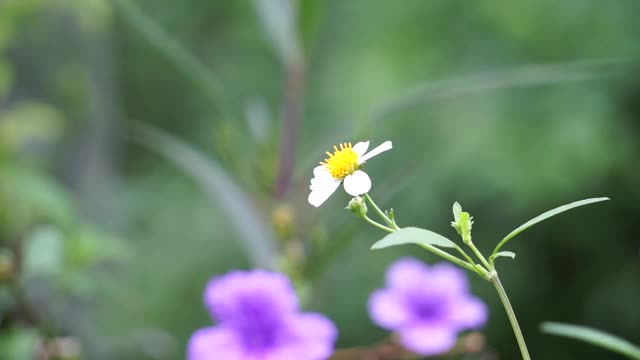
147	145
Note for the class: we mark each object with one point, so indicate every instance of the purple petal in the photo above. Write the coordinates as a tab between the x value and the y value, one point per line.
450	279
428	340
387	309
312	326
468	313
406	274
223	294
314	336
214	343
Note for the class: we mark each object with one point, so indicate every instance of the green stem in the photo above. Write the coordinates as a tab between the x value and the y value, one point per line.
393	227
469	259
479	255
377	224
512	316
449	257
380	212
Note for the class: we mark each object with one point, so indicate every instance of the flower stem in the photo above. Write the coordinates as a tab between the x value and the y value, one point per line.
449	257
469	259
512	316
479	255
380	212
377	224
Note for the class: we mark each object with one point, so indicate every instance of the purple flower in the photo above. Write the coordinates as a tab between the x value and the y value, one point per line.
259	319
426	306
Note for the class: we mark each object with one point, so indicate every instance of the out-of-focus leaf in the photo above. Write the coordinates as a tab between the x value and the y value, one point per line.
258	119
86	247
6	78
191	67
222	190
594	337
413	235
29	123
545	216
279	18
19	344
519	77
44	252
93	15
34	198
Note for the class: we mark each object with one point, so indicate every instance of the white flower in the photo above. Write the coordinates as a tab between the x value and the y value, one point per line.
343	165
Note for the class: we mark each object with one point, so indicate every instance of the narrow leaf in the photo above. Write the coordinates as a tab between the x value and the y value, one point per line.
594	337
413	235
176	53
520	77
279	19
220	187
545	216
510	254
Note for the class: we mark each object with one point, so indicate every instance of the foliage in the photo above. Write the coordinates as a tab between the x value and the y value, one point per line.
506	107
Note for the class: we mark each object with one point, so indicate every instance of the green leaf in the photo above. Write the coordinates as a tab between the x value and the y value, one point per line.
594	337
19	344
545	216
413	235
503	254
44	252
35	198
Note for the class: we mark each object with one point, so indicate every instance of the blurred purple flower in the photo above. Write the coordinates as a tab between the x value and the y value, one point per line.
426	306
259	319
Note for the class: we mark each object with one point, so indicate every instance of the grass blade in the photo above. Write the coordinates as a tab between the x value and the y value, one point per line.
594	337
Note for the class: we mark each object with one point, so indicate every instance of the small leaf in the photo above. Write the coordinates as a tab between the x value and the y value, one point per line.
413	235
594	337
503	254
545	216
457	210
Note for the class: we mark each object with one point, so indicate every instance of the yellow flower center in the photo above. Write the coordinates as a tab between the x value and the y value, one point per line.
342	162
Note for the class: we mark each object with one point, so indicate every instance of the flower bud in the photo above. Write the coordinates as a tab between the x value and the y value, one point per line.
283	218
463	222
357	206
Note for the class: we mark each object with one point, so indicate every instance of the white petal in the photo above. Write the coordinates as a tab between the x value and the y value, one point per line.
322	190
321	175
361	148
381	148
320	170
357	183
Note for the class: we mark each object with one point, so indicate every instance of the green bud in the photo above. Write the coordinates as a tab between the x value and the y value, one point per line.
391	215
463	222
357	206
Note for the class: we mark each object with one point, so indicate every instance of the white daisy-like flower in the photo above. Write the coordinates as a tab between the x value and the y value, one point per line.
343	165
